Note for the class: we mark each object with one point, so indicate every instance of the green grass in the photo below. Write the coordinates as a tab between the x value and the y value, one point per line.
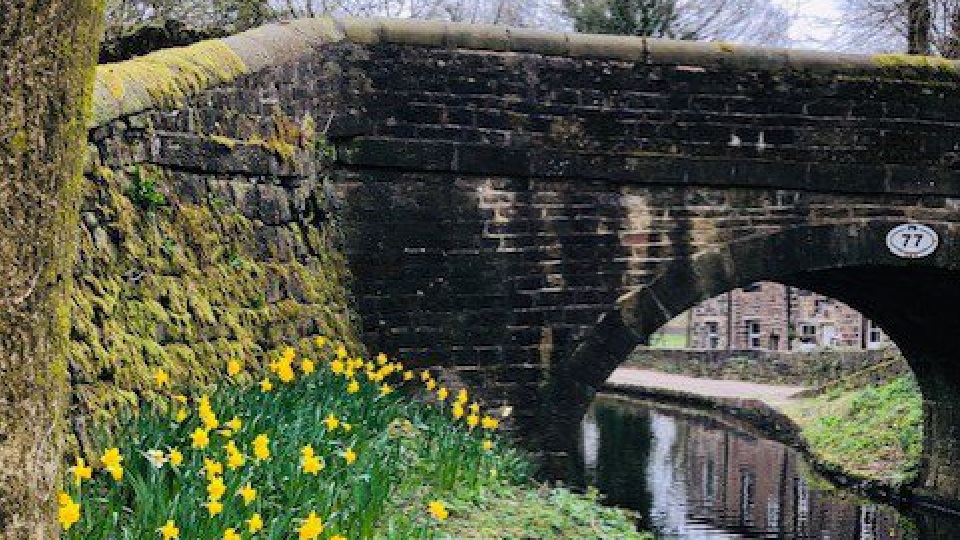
518	513
875	431
409	453
663	340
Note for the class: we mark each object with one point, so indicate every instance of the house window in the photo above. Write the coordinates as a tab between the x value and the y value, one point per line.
820	307
874	336
713	335
808	334
753	287
753	334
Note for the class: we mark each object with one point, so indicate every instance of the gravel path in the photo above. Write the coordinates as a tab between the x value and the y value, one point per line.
769	393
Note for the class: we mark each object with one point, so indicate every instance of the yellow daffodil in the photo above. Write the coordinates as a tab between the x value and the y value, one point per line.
385	389
285	372
331	422
307	366
266	385
475	408
231	534
353	387
442	393
235	423
175	457
233	368
490	422
68	511
381	359
337	367
311	528
462	396
200	438
346	427
261	447
214	507
425	375
457	411
320	341
113	463
255	523
212	467
488	445
235	459
180	398
473	420
181	415
338	537
407	375
438	510
81	471
209	421
216	488
431	384
341	352
349	456
162	378
169	531
312	464
247	493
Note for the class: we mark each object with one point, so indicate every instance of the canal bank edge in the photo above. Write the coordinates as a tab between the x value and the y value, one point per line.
777	426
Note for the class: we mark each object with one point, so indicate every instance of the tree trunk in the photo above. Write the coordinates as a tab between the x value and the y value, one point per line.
47	56
918	26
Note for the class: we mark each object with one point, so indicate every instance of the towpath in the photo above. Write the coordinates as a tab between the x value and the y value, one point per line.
774	395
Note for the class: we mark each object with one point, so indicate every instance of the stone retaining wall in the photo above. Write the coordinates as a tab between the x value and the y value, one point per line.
808	368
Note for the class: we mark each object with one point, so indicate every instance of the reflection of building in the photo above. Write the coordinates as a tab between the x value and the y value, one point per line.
776	317
690	476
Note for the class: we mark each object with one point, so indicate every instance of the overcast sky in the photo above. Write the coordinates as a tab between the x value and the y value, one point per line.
815	23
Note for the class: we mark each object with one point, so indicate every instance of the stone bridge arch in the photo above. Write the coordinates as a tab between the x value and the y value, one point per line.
914	300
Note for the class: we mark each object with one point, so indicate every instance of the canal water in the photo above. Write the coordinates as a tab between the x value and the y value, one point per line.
690	475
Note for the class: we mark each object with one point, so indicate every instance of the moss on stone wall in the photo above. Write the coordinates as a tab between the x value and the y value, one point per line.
162	78
189	286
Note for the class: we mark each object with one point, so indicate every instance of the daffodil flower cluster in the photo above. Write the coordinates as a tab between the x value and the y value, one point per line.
307	452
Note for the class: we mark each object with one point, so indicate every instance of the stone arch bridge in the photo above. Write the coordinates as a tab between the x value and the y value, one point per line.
524	208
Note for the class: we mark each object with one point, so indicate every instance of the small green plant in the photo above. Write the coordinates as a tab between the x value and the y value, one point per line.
143	190
235	260
168	246
326	151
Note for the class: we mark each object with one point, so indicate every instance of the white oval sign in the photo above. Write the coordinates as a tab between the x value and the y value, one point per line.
912	240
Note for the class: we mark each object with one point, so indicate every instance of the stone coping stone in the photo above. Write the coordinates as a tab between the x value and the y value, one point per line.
164	77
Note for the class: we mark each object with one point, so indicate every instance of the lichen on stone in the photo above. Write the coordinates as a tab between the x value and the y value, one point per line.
162	78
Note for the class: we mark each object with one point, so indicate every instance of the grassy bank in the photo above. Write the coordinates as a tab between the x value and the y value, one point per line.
325	448
874	432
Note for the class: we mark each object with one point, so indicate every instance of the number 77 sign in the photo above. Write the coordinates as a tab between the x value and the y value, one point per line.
912	240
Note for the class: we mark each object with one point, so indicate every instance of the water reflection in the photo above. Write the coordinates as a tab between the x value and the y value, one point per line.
692	476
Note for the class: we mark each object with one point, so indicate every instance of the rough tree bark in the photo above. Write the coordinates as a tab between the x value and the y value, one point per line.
47	56
918	26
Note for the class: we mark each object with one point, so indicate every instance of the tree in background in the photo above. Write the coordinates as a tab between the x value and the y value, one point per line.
750	21
914	26
745	21
45	88
656	18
